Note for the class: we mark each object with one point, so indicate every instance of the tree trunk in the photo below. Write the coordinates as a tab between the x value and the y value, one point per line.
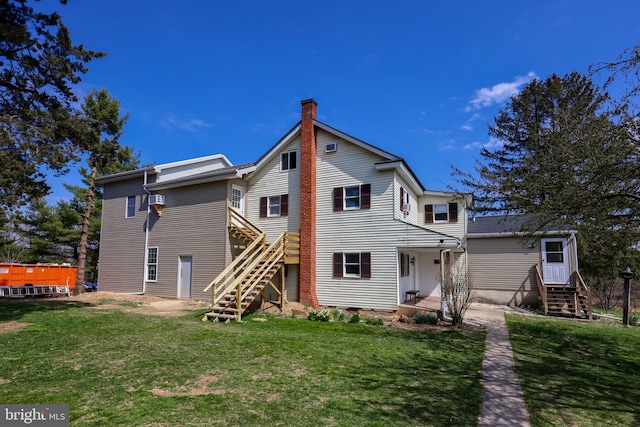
84	236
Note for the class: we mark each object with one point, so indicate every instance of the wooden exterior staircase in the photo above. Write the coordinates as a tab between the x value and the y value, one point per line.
557	299
247	276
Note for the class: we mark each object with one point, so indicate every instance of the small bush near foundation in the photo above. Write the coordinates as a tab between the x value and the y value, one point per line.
354	318
319	315
430	318
338	316
373	321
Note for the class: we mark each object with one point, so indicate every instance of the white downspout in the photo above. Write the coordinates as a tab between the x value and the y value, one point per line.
146	243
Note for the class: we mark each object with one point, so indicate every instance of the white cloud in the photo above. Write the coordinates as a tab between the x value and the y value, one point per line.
448	145
496	94
466	127
172	121
489	145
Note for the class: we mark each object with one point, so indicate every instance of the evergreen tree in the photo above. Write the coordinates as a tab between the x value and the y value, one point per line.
101	116
568	158
38	128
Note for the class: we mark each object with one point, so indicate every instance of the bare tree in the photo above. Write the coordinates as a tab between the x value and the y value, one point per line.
457	288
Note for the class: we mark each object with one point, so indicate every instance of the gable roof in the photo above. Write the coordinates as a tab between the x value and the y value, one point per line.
507	226
391	161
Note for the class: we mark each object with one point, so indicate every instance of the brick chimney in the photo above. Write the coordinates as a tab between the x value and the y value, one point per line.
308	205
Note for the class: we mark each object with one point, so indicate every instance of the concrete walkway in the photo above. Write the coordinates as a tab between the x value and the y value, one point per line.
503	402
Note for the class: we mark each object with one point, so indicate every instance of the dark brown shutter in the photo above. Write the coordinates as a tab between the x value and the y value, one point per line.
284	205
428	214
337	199
365	196
453	212
292	160
337	264
263	207
365	265
401	199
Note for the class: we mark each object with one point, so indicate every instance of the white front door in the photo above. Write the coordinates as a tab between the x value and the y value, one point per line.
555	261
184	277
237	201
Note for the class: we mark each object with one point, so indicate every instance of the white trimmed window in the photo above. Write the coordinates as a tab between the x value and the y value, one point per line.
131	207
352	264
288	161
352	197
152	264
274	206
441	213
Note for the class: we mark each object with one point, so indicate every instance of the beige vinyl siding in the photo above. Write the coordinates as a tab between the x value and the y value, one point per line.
412	217
122	239
373	230
270	181
193	223
457	229
502	263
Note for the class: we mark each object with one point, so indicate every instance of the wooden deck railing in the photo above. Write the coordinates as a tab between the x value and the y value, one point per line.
291	247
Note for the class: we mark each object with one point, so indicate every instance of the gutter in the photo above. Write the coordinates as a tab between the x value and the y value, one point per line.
521	234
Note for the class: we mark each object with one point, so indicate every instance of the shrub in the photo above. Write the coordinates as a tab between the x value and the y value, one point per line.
354	318
430	318
338	315
319	315
633	321
374	321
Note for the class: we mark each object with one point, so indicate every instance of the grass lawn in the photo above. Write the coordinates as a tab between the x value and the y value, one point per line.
115	368
577	374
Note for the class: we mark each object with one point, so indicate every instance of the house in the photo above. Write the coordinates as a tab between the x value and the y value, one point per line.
321	217
510	266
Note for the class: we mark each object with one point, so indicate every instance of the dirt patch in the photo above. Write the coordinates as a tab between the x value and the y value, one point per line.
201	387
6	327
140	304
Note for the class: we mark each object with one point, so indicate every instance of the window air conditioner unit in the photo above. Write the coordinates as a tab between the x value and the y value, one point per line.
157	201
331	148
406	208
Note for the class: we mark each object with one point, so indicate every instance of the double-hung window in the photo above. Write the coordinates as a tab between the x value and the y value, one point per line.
152	264
274	206
441	213
130	211
352	197
352	264
288	161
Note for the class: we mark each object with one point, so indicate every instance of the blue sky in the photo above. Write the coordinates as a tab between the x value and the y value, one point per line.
421	79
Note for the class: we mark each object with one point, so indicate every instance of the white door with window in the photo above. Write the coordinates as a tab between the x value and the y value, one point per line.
555	261
237	200
184	277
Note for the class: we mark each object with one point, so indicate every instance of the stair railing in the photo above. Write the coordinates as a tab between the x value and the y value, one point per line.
227	279
272	255
542	290
241	222
584	290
